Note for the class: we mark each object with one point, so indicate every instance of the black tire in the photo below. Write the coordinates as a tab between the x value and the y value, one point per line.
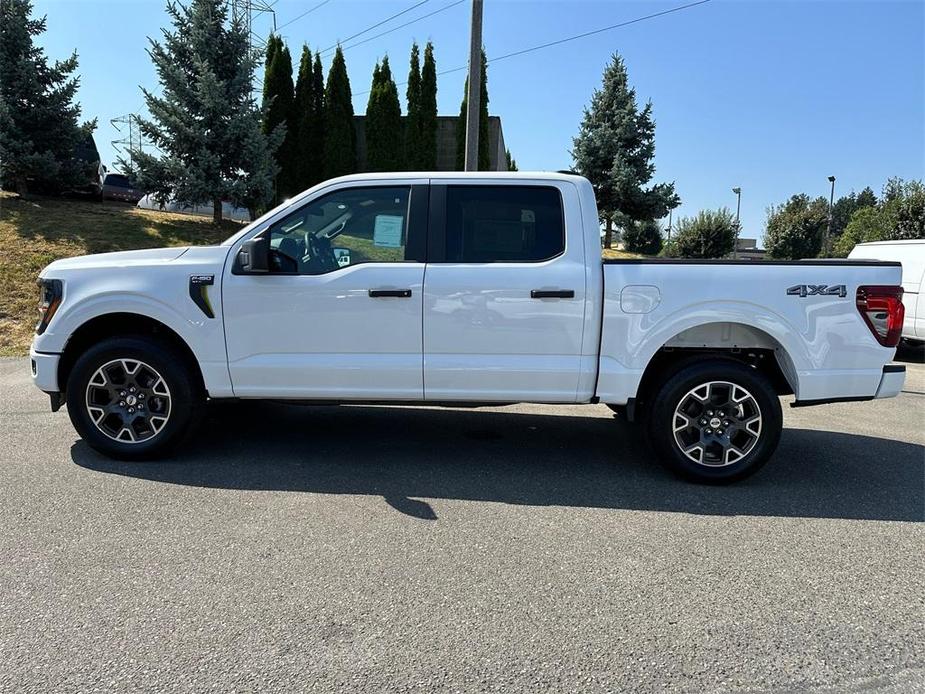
735	449
175	395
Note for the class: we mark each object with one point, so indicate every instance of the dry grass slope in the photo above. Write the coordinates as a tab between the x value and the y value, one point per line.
33	233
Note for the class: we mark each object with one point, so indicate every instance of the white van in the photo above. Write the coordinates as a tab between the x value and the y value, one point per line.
912	256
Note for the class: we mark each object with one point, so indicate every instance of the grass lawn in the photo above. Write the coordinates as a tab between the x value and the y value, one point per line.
33	233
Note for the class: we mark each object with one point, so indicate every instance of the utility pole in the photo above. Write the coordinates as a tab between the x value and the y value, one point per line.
669	224
735	248
475	88
828	235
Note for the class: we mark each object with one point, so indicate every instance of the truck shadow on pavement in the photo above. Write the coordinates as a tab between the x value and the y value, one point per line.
408	454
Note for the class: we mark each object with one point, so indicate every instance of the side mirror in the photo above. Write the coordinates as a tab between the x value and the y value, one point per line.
254	257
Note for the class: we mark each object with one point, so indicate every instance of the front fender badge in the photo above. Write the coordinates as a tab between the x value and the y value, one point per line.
198	291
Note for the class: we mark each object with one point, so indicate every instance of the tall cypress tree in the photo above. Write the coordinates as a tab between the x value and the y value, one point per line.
39	133
413	152
316	134
614	150
205	121
274	43
484	160
383	122
304	117
339	134
428	114
278	94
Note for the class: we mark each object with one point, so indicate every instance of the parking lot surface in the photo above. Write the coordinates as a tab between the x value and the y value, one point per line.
522	548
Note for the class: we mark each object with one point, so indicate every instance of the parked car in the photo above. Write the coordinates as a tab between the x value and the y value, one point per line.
118	186
911	254
466	289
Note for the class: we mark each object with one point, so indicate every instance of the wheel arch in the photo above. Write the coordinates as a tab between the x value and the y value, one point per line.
733	340
119	324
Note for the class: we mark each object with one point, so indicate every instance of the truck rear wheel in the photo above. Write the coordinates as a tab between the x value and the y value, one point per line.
132	398
715	421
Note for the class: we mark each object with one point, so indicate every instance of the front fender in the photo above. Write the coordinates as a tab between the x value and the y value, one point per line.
159	293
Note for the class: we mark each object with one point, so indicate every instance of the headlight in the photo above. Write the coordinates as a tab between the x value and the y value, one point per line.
50	293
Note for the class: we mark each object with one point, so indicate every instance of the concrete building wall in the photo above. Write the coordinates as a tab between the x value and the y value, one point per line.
446	143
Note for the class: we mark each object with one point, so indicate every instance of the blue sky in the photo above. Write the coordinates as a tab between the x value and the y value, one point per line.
769	96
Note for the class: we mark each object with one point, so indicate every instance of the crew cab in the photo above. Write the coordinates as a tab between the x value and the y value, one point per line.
461	289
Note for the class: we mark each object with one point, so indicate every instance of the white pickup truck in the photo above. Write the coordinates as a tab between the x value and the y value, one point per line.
461	289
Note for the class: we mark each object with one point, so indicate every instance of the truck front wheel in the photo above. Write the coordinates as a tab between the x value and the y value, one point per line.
715	421
132	398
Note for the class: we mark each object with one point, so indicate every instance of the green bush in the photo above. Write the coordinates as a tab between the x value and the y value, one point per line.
711	234
900	215
797	228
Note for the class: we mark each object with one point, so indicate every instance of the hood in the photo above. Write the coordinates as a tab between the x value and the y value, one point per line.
150	256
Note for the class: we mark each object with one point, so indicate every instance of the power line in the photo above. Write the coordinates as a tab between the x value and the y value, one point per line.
304	14
402	26
565	40
598	31
376	25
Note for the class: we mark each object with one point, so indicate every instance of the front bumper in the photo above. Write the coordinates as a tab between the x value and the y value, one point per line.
45	370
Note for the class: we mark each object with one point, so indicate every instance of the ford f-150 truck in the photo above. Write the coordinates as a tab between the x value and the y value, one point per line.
461	289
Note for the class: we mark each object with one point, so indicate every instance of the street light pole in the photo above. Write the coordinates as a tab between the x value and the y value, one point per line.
828	234
669	224
474	91
735	248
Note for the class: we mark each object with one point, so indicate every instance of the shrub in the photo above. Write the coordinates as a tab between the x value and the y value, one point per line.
711	234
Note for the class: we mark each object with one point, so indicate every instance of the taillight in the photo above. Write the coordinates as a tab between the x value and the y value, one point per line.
881	307
50	292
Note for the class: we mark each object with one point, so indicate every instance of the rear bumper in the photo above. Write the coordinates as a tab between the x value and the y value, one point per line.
892	379
894	376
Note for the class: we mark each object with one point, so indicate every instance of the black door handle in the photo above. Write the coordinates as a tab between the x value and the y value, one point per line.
396	293
552	294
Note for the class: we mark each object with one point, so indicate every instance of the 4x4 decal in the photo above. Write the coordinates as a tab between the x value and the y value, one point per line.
818	290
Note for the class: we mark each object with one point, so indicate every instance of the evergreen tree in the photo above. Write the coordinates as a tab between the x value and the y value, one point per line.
428	111
484	160
339	134
511	163
614	150
316	134
206	122
383	122
413	153
845	207
274	43
643	237
278	95
39	132
305	123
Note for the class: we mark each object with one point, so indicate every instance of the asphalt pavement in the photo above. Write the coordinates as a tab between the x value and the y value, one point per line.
522	548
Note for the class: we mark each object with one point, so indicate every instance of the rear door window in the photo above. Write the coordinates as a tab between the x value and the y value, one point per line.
500	224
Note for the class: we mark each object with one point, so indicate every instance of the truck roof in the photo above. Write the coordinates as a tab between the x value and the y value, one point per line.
493	175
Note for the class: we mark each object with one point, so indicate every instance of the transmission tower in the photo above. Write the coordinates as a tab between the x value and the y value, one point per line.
133	140
247	12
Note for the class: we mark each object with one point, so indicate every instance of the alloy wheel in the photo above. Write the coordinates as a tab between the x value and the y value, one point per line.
128	400
717	423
